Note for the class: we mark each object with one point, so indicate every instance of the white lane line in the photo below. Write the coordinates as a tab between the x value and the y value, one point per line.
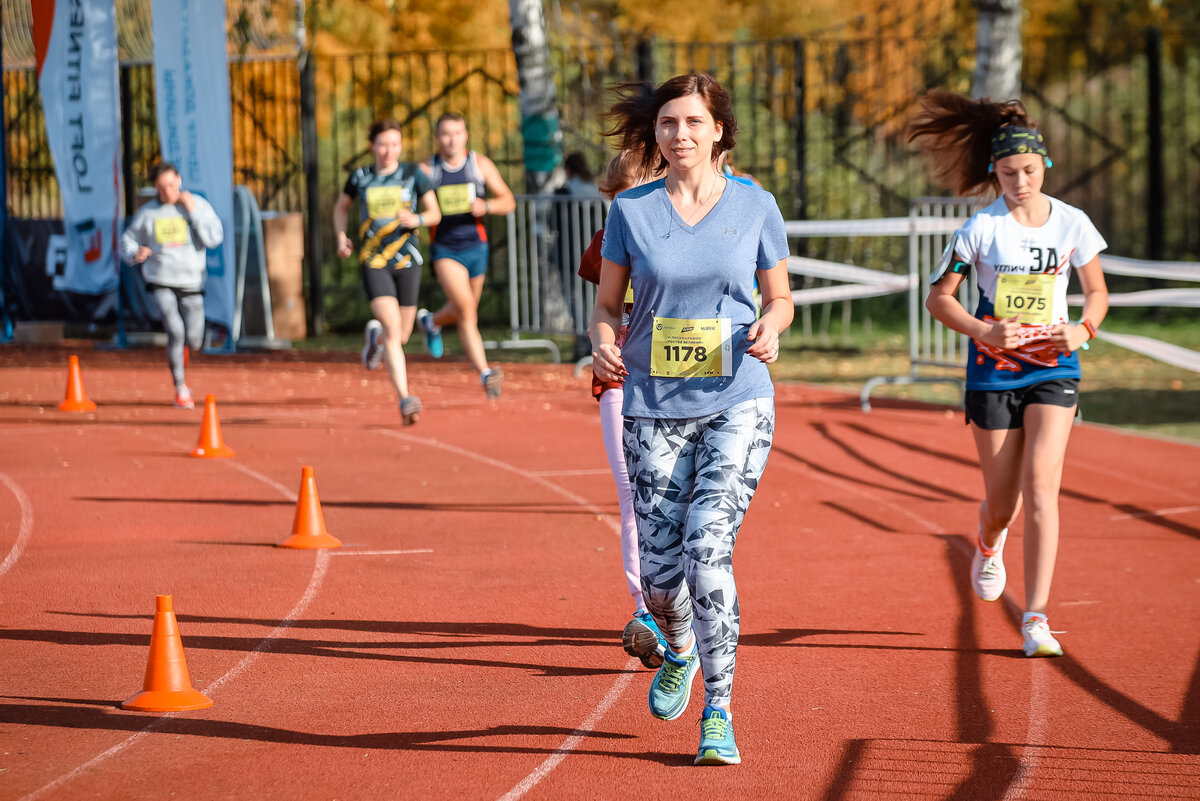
26	528
571	743
377	553
590	472
577	736
320	567
1127	477
1179	510
1039	711
532	476
1036	726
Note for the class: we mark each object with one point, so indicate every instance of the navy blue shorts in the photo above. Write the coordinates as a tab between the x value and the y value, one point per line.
474	258
995	410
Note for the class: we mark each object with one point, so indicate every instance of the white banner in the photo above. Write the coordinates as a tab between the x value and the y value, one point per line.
191	84
76	46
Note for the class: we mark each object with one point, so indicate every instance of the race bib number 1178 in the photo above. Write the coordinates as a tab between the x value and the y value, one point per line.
691	348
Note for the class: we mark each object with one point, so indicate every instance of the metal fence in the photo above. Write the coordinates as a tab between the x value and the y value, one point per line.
821	125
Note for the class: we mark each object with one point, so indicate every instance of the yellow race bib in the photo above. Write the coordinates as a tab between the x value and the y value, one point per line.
385	201
456	198
171	231
691	348
1031	296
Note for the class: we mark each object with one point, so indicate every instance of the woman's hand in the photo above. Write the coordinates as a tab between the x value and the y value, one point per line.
1069	338
607	363
1003	334
408	218
344	246
764	341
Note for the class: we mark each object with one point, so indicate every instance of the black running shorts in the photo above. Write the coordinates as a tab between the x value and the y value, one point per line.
404	284
1000	409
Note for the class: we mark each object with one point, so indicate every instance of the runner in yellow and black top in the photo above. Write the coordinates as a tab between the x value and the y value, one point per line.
469	187
389	194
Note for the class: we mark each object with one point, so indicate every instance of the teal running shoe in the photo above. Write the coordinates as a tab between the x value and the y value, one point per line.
642	638
716	739
433	333
671	688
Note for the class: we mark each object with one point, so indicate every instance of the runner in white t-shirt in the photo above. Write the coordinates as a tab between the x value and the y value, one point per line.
1023	364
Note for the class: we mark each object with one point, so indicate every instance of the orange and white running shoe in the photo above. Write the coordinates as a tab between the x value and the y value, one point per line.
1039	639
183	398
987	569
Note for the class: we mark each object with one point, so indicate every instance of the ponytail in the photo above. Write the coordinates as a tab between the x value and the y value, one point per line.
957	132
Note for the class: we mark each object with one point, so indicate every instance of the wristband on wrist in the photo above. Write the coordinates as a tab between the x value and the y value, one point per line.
420	219
1091	329
487	207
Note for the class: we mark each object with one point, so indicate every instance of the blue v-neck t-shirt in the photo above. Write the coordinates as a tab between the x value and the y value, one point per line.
705	271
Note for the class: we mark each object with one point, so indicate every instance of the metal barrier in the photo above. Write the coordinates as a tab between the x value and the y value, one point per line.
928	227
547	235
930	344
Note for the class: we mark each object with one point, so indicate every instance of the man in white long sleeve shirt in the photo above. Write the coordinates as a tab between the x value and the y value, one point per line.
169	238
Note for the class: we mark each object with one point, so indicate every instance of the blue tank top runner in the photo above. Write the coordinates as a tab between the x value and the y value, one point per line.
457	190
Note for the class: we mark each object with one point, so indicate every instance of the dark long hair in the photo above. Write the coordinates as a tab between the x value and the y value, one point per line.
957	132
635	113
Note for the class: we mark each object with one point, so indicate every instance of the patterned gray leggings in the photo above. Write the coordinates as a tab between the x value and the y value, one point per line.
692	482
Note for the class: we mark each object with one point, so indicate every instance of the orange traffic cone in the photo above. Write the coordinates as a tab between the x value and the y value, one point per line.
308	528
211	445
77	399
168	687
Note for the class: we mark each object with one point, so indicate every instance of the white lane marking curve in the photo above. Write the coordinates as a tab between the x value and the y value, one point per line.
25	531
614	692
1038	706
320	566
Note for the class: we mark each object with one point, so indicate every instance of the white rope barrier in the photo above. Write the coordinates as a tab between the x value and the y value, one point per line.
1140	268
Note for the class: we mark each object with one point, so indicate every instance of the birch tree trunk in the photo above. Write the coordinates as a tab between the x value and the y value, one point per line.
998	50
542	154
539	111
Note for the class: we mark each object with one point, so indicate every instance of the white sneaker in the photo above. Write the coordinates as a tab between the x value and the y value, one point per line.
987	572
372	353
1039	640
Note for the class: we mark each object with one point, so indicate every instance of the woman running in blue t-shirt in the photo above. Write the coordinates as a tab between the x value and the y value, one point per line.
699	404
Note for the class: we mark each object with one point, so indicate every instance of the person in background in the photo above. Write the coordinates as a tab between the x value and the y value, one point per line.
395	199
726	168
641	637
469	188
168	239
699	403
580	180
1023	360
572	221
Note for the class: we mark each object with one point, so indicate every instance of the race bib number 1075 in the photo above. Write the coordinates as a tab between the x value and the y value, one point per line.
1031	296
691	348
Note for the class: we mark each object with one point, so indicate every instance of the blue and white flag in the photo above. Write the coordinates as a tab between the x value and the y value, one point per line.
191	83
76	46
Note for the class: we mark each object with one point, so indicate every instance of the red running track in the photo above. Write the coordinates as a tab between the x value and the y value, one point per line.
464	643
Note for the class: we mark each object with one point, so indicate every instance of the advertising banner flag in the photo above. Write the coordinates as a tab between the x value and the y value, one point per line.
76	46
191	84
